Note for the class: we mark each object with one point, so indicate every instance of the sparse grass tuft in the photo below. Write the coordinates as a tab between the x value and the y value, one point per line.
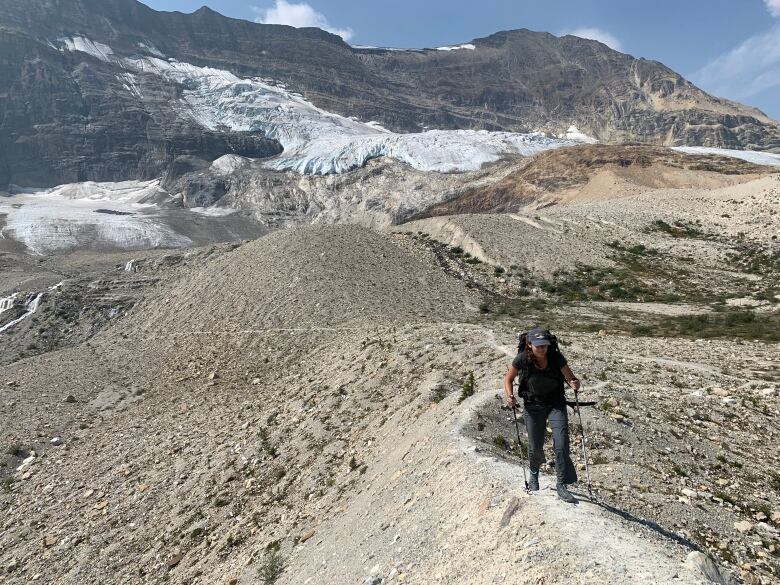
272	567
500	442
468	387
439	394
774	480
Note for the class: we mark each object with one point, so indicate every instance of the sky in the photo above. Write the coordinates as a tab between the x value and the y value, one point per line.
729	48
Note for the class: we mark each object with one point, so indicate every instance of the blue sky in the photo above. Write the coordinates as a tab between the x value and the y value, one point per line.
730	48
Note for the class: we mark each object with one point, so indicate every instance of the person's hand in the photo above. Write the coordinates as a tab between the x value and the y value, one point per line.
574	384
511	402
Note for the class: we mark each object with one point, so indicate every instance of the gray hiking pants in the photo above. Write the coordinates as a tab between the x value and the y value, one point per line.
536	418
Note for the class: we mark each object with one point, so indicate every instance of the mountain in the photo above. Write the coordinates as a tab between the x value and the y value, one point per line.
85	97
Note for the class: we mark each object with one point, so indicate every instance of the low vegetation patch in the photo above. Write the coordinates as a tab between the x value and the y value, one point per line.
637	249
468	387
588	283
272	567
739	324
679	228
500	442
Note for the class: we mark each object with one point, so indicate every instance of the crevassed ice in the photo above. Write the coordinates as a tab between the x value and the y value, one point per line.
759	158
319	142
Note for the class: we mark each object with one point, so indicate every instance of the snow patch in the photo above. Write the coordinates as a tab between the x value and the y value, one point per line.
377	126
573	133
374	48
85	45
214	211
130	83
468	46
753	156
318	142
151	49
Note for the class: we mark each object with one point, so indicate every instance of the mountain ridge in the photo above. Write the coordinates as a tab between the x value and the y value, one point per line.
515	81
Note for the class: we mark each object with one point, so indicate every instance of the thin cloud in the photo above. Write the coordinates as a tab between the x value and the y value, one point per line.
773	6
746	70
602	36
299	15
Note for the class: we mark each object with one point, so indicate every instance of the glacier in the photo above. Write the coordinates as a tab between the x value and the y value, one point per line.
319	142
75	215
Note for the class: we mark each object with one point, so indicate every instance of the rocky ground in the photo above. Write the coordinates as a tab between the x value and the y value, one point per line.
595	172
322	405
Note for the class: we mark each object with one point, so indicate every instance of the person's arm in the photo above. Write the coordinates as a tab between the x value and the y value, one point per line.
509	378
571	379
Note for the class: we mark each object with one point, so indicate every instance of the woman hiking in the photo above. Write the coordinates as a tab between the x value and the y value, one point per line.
543	370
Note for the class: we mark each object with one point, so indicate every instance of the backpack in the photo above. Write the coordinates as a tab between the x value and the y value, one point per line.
522	345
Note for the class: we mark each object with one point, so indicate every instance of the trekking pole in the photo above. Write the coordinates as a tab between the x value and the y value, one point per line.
584	449
519	444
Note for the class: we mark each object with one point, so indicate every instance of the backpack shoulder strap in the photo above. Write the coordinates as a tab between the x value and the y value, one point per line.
522	384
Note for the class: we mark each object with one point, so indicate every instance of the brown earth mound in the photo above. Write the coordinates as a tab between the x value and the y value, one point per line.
304	277
597	172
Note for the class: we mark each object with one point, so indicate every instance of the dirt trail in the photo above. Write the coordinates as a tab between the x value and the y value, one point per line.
435	508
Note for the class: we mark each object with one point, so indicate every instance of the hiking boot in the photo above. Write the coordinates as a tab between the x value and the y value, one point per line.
565	494
533	481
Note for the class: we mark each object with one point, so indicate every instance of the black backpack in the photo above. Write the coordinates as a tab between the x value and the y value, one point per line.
522	350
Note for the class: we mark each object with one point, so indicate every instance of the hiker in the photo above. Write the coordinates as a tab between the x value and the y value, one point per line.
543	370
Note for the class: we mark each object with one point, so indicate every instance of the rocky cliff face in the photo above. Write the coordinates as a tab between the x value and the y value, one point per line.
71	115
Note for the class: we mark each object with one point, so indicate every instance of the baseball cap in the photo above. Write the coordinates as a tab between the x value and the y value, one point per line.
538	336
